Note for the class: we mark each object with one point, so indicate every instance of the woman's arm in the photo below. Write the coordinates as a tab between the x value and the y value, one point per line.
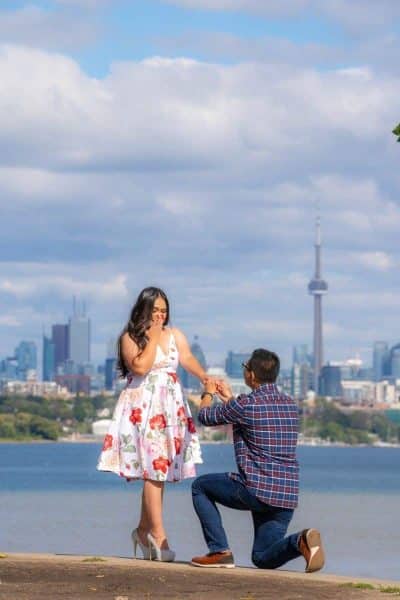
186	358
138	362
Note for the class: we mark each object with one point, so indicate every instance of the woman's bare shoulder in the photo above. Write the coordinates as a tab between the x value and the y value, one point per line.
177	333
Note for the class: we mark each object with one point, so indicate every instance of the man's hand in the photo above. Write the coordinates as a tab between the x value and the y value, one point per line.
224	391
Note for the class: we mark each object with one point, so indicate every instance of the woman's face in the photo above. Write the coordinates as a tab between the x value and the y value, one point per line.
160	311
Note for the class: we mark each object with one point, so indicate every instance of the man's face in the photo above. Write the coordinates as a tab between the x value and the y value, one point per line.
247	374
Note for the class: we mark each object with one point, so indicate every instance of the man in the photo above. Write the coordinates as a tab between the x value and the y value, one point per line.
265	429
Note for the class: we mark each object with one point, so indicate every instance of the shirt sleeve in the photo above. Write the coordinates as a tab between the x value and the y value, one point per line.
224	414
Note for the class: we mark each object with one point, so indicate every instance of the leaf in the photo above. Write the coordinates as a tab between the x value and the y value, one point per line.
396	130
129	449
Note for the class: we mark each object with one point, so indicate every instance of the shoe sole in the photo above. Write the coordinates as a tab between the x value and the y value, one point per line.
227	566
317	556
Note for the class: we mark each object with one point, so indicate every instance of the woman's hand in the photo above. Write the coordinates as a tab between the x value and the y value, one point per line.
210	385
154	331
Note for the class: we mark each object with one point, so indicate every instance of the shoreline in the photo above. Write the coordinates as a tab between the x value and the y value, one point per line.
38	576
99	440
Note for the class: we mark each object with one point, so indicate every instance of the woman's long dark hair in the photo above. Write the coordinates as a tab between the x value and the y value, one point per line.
139	321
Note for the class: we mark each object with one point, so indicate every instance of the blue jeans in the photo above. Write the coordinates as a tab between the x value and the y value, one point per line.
271	548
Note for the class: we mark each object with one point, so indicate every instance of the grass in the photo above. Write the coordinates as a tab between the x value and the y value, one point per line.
360	586
390	590
395	590
92	559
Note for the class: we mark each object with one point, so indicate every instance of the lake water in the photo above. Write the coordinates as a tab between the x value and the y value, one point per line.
52	499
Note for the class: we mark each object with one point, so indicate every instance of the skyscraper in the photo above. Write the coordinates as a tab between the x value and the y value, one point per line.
301	371
380	359
79	337
187	380
26	356
395	362
60	339
233	364
317	288
48	359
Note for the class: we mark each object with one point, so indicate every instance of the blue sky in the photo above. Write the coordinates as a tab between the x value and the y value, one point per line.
186	143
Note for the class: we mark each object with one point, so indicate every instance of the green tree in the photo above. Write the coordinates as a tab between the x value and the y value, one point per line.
7	426
44	428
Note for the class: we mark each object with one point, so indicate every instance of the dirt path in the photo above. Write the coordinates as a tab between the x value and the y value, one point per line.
34	577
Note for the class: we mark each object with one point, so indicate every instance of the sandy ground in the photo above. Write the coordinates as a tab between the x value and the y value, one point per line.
36	576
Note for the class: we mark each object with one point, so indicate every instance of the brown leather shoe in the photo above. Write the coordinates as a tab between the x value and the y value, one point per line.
215	559
310	546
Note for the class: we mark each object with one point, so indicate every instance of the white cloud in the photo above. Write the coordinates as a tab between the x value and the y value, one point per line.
40	285
379	261
9	321
33	26
203	179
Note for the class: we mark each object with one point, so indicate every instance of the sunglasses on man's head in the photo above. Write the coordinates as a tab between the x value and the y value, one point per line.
246	366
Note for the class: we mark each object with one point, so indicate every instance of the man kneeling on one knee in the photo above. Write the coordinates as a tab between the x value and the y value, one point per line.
265	429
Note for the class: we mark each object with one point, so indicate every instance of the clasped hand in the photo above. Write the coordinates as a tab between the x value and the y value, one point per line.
218	386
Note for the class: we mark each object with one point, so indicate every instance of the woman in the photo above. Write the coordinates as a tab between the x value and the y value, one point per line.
152	434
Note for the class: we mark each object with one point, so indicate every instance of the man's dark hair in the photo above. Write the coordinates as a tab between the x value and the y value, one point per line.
265	365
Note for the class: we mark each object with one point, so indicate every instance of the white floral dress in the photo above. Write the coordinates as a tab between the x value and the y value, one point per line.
152	433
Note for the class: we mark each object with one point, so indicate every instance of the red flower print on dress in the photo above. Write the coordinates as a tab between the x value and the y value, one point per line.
136	416
158	422
178	445
191	426
161	464
182	414
108	440
173	376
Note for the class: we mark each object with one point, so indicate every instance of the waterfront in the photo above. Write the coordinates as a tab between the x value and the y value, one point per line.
53	500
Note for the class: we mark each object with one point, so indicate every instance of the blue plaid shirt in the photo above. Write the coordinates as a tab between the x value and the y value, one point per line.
265	428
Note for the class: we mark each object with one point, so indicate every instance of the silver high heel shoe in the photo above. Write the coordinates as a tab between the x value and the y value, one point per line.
147	550
158	553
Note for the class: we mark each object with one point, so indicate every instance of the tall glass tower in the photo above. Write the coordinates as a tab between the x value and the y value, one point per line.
317	288
79	337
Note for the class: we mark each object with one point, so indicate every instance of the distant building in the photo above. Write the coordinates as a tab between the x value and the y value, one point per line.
79	338
302	372
32	387
330	381
8	369
301	355
187	380
110	373
48	357
380	360
76	384
26	356
301	380
233	364
395	362
60	339
101	427
359	392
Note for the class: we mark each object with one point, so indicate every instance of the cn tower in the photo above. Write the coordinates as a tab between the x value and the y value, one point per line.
317	288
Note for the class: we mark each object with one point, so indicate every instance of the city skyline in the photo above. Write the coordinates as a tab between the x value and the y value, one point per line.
185	145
